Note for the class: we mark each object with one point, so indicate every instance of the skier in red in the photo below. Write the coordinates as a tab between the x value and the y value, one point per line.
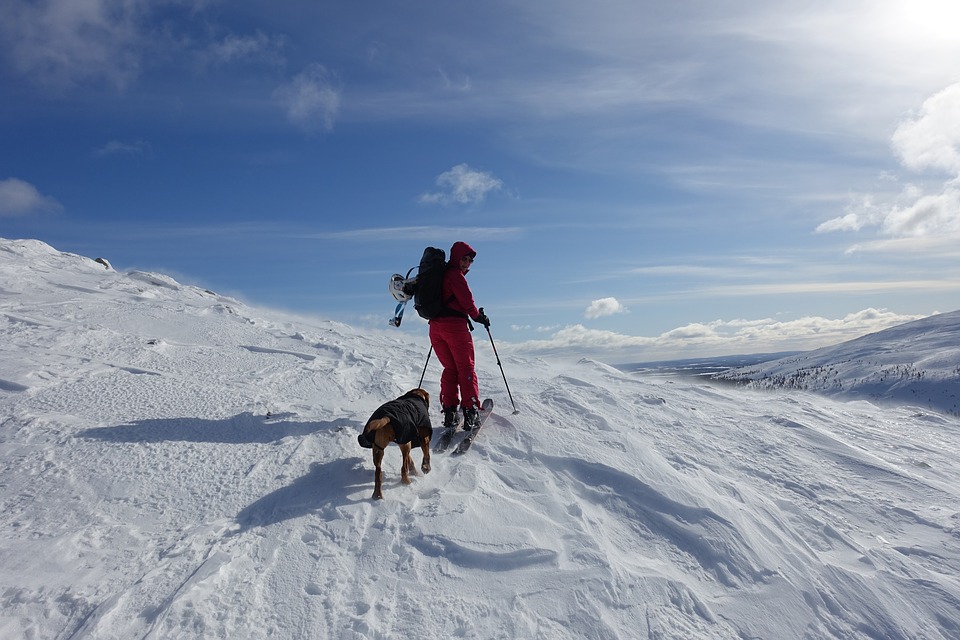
451	340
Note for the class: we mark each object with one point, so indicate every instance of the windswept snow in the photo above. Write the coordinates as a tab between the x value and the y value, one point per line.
917	363
145	493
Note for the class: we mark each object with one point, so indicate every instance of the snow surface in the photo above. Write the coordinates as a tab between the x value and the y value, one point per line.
145	494
917	363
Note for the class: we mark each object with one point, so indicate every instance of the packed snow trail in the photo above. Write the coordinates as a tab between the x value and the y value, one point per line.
145	493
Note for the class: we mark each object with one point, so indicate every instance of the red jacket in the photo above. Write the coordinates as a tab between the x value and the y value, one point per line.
455	288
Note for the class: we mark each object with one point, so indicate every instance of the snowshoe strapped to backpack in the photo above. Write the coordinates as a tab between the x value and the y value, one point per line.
426	288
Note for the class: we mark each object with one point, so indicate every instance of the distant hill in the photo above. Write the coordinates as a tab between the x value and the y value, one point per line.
917	363
700	367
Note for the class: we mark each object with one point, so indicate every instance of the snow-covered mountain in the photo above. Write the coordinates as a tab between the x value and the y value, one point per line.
146	494
916	363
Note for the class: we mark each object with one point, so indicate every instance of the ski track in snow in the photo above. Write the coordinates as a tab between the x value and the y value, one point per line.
145	493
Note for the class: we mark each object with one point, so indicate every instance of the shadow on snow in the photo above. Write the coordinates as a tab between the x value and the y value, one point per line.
244	428
327	485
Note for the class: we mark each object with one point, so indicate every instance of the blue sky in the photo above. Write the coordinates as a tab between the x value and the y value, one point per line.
641	180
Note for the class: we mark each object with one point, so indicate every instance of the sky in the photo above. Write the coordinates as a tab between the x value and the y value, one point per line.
640	181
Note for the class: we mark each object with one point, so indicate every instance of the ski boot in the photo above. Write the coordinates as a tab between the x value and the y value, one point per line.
471	418
451	418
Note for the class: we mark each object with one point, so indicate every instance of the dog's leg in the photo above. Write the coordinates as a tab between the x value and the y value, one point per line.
407	464
425	461
378	474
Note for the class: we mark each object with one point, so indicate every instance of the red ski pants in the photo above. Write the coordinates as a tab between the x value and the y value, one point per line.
453	345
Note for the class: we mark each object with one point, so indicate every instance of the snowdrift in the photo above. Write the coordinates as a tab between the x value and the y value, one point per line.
175	464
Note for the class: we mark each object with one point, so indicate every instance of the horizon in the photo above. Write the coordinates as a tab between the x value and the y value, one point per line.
640	183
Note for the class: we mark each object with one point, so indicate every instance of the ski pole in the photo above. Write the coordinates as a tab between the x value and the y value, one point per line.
515	410
429	353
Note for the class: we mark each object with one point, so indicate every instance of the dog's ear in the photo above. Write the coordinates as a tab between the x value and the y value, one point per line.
423	394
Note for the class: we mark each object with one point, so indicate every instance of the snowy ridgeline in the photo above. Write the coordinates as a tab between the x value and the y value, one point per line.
917	364
144	492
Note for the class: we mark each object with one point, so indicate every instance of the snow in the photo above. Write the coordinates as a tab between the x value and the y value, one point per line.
917	363
146	494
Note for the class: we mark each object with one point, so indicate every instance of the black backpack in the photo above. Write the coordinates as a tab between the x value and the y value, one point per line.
427	299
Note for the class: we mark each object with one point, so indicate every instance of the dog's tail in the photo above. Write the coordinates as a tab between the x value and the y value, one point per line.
365	439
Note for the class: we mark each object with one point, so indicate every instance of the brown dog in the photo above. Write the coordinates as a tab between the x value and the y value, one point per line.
405	421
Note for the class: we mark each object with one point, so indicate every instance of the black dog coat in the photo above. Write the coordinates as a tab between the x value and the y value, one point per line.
408	414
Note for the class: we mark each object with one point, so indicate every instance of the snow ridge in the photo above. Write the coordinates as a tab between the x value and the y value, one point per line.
176	464
917	363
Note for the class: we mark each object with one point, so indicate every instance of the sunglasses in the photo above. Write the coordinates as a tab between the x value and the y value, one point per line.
467	258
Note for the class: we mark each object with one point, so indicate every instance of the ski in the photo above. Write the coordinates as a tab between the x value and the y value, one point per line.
443	442
485	410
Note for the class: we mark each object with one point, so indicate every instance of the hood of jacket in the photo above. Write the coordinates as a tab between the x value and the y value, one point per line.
459	250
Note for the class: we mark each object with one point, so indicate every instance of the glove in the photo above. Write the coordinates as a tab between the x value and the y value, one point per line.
483	319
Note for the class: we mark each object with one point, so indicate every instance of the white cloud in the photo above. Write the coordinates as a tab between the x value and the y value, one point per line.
258	47
547	329
579	340
930	141
914	212
942	247
119	148
848	222
19	198
943	283
931	214
310	100
603	307
61	43
719	337
420	233
462	185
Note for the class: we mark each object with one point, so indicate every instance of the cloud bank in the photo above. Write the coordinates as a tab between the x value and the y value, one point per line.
716	338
